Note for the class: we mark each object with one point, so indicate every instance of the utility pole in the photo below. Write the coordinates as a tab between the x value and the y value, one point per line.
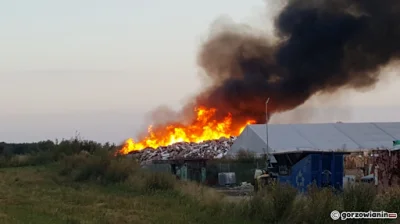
266	131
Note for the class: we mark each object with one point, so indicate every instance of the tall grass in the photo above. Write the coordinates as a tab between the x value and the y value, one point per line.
101	167
270	205
359	197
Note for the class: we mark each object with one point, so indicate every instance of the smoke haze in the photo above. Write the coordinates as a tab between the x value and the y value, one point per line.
323	47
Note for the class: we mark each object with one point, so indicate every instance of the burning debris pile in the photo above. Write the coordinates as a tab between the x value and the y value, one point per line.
183	150
208	136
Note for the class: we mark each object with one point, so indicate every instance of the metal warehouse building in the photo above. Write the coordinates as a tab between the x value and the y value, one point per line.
349	137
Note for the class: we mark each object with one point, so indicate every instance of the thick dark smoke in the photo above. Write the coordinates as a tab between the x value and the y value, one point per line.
323	46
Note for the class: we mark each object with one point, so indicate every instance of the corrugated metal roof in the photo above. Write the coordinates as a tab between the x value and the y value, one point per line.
328	137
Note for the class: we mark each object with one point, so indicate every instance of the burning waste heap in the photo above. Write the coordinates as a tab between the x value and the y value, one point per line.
210	149
322	47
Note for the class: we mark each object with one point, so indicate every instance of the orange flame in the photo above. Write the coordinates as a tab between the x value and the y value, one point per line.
202	129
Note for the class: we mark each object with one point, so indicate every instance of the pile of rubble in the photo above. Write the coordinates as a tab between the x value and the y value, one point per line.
244	188
183	150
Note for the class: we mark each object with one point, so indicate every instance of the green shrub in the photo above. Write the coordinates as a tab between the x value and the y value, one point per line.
69	164
44	152
258	208
41	158
389	201
158	181
37	158
282	204
272	204
359	197
16	161
119	169
92	169
200	192
282	196
101	166
315	206
3	161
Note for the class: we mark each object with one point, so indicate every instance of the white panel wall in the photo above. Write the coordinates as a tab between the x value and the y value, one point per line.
366	135
282	137
393	129
248	140
325	136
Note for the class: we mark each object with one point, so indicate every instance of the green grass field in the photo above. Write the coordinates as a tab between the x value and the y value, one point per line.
36	195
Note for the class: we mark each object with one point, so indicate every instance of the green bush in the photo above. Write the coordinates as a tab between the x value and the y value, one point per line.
102	166
44	152
41	158
91	169
3	161
158	181
389	201
69	164
359	197
272	204
282	204
20	160
315	206
282	197
257	208
120	169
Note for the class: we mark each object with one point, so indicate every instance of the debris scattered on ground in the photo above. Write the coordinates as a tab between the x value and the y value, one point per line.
183	150
245	189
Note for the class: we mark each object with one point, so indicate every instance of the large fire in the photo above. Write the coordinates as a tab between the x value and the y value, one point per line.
204	127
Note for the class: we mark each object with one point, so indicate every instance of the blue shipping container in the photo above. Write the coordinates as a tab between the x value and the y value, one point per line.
325	169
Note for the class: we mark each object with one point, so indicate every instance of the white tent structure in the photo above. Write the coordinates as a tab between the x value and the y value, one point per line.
285	138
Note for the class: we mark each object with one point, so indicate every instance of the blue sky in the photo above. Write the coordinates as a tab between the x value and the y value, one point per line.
98	66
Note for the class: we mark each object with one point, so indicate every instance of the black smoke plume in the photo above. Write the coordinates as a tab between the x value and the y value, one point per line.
323	46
